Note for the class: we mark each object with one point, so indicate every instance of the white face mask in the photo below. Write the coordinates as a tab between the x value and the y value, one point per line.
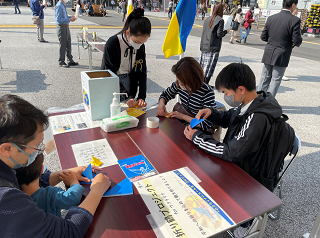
135	45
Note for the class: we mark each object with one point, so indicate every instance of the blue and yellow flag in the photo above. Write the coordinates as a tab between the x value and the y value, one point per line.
179	28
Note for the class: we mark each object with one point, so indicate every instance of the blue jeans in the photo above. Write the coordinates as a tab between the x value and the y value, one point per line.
246	34
124	79
16	6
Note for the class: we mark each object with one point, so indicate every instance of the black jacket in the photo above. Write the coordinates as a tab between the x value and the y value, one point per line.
245	133
211	39
282	32
138	75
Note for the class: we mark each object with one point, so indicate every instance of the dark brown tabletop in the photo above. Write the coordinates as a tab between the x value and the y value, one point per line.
167	149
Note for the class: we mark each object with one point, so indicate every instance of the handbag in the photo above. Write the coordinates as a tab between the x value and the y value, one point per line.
235	26
242	22
35	19
179	108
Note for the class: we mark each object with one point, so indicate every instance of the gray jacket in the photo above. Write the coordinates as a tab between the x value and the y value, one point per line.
211	39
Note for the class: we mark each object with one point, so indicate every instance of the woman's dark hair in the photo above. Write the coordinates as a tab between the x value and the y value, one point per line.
190	73
234	75
19	120
288	3
28	174
239	10
217	11
138	24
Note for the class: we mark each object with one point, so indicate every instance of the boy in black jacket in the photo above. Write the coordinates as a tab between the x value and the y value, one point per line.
247	122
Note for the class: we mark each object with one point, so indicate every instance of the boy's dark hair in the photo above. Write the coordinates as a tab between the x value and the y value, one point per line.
288	3
239	10
189	72
28	174
138	24
234	75
19	120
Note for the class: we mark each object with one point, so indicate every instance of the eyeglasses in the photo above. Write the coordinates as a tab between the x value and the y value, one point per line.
40	148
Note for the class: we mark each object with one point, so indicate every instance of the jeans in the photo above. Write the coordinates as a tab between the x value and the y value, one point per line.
124	79
16	6
246	34
203	15
271	77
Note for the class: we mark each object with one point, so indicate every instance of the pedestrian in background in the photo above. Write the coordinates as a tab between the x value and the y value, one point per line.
211	41
124	9
204	10
37	10
247	25
63	32
16	6
112	3
282	34
237	33
170	11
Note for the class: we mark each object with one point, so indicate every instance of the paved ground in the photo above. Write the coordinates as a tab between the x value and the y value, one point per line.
30	69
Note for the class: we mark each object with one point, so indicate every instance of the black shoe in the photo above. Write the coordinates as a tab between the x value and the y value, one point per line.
43	41
15	13
238	41
63	64
19	13
73	63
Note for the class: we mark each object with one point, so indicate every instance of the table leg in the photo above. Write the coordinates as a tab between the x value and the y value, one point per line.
90	57
78	47
262	225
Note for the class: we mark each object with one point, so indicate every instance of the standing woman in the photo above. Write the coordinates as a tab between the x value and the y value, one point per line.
124	54
247	25
211	41
237	34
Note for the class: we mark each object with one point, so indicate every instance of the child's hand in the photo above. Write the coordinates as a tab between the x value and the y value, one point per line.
100	183
69	178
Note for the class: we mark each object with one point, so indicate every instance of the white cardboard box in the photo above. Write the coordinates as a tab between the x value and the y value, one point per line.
97	92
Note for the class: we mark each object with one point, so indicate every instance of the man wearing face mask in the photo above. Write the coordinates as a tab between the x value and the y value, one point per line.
248	122
124	54
21	136
63	32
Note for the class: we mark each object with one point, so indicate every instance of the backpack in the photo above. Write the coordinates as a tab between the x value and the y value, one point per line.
277	145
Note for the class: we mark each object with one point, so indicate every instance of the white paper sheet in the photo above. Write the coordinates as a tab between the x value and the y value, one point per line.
227	22
98	148
180	206
72	122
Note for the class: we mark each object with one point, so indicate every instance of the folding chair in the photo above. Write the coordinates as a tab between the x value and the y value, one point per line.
294	152
314	230
221	105
256	229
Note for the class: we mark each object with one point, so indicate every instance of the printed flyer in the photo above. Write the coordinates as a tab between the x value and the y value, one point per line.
72	122
180	207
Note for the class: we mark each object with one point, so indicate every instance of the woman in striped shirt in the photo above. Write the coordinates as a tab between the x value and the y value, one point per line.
194	93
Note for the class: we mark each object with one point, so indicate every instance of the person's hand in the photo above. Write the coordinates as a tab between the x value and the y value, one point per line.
228	30
203	112
188	132
68	177
45	5
100	183
177	115
73	18
141	103
79	170
162	111
131	103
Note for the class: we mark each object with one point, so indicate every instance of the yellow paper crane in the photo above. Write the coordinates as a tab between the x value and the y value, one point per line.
95	161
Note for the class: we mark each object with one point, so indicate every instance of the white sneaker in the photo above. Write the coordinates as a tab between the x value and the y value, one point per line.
284	78
239	232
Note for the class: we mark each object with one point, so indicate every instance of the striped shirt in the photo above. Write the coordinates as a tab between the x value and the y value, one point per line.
202	98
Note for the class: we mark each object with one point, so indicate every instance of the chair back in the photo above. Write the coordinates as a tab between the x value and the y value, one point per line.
294	152
221	105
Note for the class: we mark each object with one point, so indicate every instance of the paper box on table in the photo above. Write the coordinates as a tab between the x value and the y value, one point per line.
97	92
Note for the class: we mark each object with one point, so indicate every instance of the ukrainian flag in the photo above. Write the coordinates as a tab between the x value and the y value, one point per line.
179	28
129	7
